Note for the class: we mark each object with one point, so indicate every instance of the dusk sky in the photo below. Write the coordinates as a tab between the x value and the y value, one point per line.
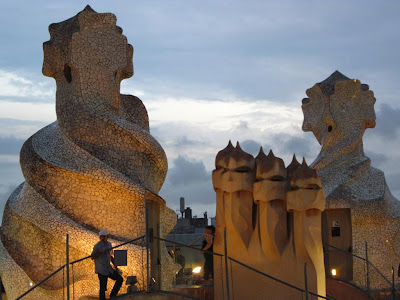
213	71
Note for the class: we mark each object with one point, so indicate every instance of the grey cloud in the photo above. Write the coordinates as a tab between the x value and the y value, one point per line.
284	146
157	133
393	182
10	173
28	98
242	125
19	130
253	147
377	159
387	122
297	145
189	179
25	86
302	146
11	177
186	171
16	122
162	132
195	194
5	192
250	146
184	141
10	145
254	49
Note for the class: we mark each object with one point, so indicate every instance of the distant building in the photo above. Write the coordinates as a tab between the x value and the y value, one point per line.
189	231
188	224
213	221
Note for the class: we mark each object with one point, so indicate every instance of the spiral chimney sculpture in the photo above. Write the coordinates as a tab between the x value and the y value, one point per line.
95	167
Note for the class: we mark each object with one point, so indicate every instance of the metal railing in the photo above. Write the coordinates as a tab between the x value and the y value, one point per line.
231	270
70	272
42	281
192	261
79	266
282	287
366	274
232	276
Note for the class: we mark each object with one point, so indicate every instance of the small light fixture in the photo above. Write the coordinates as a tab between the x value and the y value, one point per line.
333	271
30	283
196	270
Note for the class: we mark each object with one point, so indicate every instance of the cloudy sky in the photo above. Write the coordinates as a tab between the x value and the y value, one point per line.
209	71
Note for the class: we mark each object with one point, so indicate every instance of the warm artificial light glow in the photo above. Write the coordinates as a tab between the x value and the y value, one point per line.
333	272
196	270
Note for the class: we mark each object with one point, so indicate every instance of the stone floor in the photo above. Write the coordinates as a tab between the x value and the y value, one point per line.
204	290
155	296
148	296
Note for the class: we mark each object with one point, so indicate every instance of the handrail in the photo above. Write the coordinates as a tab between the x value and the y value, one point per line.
72	263
232	259
384	277
41	281
187	246
328	297
249	267
119	245
367	261
355	255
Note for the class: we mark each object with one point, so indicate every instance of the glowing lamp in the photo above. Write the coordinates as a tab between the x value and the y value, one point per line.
196	270
333	271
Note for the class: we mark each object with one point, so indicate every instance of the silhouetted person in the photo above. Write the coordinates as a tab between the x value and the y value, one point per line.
180	259
207	248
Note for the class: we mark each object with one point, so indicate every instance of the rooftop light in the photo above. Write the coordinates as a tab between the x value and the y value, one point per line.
196	270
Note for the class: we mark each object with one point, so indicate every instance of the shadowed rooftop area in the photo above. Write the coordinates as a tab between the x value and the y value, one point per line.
148	296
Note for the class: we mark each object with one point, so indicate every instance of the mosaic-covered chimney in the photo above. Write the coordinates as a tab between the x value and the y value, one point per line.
94	168
272	216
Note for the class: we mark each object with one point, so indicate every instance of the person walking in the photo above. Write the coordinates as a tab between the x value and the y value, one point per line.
102	255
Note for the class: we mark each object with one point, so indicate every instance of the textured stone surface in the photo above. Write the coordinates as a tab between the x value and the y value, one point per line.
93	168
272	216
338	110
